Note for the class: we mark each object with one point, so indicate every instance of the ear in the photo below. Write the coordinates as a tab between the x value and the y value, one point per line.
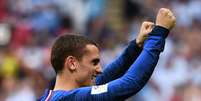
71	63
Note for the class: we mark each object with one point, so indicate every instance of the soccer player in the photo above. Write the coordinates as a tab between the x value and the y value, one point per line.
76	62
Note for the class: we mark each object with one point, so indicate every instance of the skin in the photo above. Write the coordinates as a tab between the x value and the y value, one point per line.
145	29
89	67
79	73
165	18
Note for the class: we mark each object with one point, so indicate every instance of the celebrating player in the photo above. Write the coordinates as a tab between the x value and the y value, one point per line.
79	77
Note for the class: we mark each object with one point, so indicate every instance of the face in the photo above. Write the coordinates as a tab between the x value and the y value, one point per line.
89	66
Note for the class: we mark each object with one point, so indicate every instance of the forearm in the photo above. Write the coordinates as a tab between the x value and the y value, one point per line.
140	71
134	79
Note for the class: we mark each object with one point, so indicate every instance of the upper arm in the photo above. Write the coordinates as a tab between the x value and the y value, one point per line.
135	78
120	89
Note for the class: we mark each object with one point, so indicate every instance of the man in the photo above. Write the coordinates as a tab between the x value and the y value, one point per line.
76	62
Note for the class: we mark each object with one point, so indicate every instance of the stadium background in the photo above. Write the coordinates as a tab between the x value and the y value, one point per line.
28	28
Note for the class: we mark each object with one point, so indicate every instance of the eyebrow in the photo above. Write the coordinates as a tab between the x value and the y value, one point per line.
96	60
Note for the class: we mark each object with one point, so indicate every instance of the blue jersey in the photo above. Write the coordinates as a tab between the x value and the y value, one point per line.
121	79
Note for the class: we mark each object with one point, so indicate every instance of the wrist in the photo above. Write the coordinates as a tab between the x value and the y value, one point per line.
162	25
139	43
160	31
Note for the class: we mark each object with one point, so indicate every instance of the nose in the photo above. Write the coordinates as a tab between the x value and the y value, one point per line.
98	69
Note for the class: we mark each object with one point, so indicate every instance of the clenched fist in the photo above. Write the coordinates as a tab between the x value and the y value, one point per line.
145	29
165	18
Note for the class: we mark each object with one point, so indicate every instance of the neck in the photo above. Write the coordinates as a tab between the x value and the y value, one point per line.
65	82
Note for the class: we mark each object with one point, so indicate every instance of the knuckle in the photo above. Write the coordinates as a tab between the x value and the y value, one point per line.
164	10
148	23
173	18
145	22
151	23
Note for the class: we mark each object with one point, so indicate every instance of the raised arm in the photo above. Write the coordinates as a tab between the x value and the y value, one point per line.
118	67
141	70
